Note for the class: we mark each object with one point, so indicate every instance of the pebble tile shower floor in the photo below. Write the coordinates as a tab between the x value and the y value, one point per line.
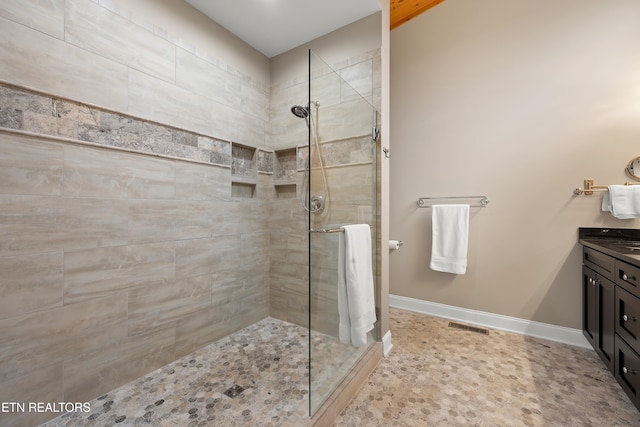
262	369
436	375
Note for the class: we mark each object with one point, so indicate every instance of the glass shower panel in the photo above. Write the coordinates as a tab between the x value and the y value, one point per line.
342	156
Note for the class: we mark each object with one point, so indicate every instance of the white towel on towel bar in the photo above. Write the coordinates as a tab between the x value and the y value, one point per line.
623	201
356	301
450	237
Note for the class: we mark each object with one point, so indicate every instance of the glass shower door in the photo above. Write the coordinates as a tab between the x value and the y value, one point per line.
342	190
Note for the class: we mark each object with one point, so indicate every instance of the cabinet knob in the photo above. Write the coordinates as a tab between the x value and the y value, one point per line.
626	318
626	277
628	371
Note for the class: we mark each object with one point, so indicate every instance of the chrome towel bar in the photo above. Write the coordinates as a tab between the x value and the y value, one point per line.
327	230
427	202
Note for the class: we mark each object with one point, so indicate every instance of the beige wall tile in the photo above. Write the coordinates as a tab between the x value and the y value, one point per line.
163	220
228	286
235	125
202	182
154	99
205	326
247	216
76	73
168	301
90	223
192	30
199	76
88	376
118	39
92	171
222	86
359	78
45	16
94	273
345	120
17	209
79	224
29	166
47	337
195	257
30	283
195	330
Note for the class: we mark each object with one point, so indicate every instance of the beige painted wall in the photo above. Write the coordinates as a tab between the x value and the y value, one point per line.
519	101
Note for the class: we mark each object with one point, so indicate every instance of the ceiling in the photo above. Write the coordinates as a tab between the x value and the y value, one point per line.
276	26
404	10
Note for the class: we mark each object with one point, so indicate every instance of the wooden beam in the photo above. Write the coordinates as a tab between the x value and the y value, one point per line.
404	10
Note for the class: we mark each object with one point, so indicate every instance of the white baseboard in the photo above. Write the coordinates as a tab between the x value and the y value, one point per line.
386	343
496	321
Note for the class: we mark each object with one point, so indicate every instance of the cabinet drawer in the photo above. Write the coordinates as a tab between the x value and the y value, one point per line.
627	315
601	263
628	370
627	276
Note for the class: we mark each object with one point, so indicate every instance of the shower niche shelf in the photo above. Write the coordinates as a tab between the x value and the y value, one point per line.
286	164
243	171
243	161
243	190
285	191
265	161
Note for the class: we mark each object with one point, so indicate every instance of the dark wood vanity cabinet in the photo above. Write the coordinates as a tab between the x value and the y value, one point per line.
611	315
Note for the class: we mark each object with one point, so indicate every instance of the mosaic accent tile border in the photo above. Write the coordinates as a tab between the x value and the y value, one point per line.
30	111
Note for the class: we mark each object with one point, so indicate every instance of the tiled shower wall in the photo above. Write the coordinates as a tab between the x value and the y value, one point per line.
115	263
125	218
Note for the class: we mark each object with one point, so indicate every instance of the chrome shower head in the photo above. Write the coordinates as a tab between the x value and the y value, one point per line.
300	111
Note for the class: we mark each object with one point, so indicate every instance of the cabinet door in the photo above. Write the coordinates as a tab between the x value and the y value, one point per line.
598	299
589	305
605	318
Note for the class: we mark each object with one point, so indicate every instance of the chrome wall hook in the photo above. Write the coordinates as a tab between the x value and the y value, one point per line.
387	152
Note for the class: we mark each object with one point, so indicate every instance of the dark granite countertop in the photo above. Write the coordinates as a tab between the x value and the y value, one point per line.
621	243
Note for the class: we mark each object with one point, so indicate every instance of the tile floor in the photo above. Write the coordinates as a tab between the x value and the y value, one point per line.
435	376
441	376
